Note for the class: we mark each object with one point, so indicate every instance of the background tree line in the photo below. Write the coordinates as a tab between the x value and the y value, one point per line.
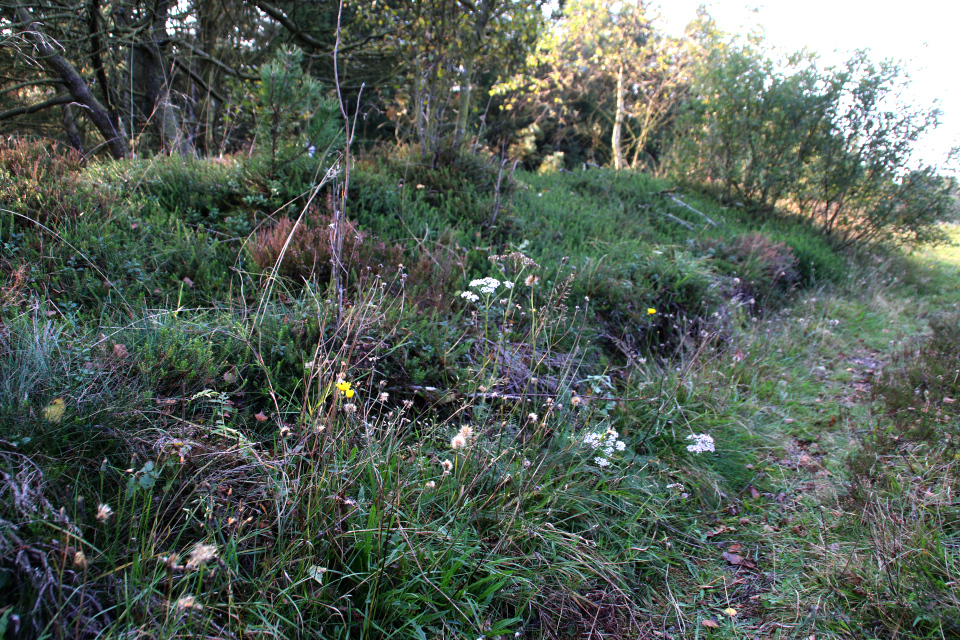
593	81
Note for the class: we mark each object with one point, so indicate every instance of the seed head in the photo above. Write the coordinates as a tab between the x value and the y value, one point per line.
104	512
201	555
188	602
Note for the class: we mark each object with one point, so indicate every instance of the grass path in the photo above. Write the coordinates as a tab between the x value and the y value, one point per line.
789	554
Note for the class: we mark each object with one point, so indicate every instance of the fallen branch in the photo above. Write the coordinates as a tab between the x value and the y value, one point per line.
683	223
684	204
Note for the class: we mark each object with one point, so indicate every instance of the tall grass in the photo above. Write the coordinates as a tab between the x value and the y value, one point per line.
490	437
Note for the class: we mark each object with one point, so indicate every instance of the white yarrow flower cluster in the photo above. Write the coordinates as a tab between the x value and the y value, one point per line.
701	443
487	285
607	442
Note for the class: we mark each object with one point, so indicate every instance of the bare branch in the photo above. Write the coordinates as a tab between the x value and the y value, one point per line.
288	24
33	108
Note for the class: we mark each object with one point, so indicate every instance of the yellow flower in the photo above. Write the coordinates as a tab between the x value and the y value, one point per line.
344	387
651	311
54	411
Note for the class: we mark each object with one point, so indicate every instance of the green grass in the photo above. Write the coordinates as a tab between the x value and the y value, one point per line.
149	364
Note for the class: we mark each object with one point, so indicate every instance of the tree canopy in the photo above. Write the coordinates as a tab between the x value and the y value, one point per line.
590	81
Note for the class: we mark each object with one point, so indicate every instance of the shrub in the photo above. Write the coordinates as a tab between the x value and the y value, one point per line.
297	125
305	249
761	266
41	181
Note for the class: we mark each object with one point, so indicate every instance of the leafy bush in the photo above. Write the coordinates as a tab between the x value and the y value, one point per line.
834	145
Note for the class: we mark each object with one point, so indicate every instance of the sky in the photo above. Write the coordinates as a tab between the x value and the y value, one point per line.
922	33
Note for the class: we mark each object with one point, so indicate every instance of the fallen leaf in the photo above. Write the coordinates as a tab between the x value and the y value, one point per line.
188	282
721	530
710	624
260	416
50	313
730	611
230	376
120	351
948	400
789	421
744	521
317	573
753	492
54	411
738	560
134	225
807	462
734	547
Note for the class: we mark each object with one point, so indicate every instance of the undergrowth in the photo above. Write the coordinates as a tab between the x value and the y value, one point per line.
545	407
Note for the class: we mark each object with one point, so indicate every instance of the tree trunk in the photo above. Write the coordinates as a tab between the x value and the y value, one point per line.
618	123
466	95
70	127
168	118
75	84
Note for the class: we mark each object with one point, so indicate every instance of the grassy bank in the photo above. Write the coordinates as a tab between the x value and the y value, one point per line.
494	436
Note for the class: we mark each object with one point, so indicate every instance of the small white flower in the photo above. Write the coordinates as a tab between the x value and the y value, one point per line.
469	295
601	462
508	285
533	417
350	408
701	443
621	445
384	397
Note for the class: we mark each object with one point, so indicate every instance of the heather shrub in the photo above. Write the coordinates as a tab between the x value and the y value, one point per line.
301	250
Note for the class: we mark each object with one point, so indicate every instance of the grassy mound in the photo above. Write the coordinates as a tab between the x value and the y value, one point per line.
493	435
